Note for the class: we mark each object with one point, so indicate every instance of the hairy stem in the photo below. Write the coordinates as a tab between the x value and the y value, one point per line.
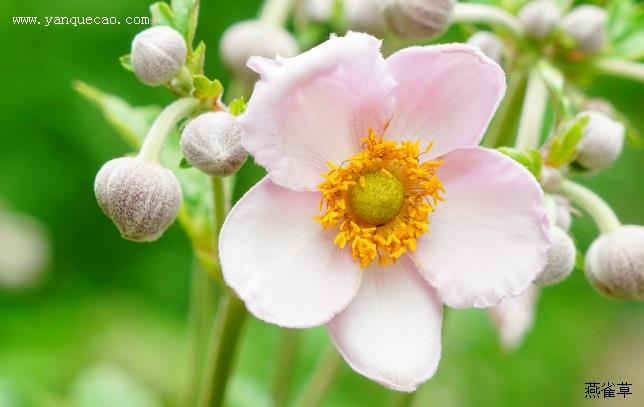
486	14
286	355
276	12
534	108
322	377
621	68
164	124
502	129
590	202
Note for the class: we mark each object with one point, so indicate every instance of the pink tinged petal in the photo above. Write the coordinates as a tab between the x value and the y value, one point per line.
514	317
446	94
314	108
391	331
281	262
488	239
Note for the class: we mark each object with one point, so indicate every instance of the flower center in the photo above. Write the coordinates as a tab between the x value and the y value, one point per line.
379	200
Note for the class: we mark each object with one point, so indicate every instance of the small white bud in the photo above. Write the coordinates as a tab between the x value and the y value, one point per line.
418	19
315	10
586	24
563	213
254	38
599	105
364	16
615	263
489	43
514	317
157	54
551	179
560	259
602	142
212	143
141	197
24	250
540	17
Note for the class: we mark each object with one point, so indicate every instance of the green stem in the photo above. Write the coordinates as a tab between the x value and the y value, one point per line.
486	14
590	202
164	124
621	68
276	12
327	368
502	129
222	350
286	355
403	399
534	108
219	210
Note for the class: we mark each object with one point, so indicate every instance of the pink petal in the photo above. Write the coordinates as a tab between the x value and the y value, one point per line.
488	239
315	107
514	317
281	262
445	93
391	331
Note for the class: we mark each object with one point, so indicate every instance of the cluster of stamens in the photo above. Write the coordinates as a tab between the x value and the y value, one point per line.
380	199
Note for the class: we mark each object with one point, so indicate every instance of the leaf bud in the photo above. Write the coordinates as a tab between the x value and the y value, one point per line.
539	18
560	259
212	143
586	24
157	54
601	143
418	19
141	197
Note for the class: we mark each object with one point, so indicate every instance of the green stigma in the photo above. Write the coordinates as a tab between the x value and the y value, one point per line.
377	198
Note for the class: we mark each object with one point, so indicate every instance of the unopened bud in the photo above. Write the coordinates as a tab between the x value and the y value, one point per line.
489	43
602	142
418	19
615	263
212	143
141	197
586	24
24	250
563	213
157	54
551	179
540	17
315	10
560	259
364	16
254	38
599	105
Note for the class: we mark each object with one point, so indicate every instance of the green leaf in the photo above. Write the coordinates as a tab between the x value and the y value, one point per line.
162	14
196	58
237	106
531	159
186	13
126	63
563	147
184	164
205	88
132	124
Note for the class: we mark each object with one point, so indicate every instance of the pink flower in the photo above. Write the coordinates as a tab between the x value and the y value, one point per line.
379	207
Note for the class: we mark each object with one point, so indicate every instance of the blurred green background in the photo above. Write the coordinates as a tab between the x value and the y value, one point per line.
107	325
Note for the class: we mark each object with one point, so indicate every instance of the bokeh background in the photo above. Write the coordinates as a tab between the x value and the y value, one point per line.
106	325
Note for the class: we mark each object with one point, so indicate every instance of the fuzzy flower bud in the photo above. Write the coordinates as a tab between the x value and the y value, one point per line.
418	19
489	43
212	143
315	10
364	16
254	38
615	263
141	197
539	18
586	24
157	54
560	259
601	143
563	213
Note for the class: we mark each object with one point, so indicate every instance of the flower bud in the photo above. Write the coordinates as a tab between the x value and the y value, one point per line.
514	317
418	19
599	105
489	43
563	213
364	16
212	143
615	263
539	18
601	143
254	38
141	197
551	179
157	54
560	259
24	250
586	24
315	10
